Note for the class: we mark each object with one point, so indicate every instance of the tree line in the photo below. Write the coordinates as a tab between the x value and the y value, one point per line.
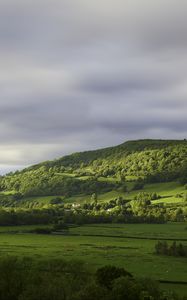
115	211
162	248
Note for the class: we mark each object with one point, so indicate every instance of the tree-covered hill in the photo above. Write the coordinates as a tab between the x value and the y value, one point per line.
123	150
145	160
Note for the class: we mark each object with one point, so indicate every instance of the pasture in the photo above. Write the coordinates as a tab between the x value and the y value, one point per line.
127	245
168	191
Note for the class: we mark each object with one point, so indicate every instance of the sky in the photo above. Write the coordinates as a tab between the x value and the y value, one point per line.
78	75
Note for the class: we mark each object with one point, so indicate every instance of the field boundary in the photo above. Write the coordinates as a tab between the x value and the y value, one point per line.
173	282
128	237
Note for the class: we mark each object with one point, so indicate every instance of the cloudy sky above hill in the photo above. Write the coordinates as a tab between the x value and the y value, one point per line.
79	74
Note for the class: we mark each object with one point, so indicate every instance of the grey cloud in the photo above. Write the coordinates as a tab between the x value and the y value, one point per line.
123	83
85	74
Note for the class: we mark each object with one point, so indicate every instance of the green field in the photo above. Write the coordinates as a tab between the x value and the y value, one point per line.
130	246
168	192
126	245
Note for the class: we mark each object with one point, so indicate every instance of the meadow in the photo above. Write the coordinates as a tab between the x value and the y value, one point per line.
126	245
168	191
131	246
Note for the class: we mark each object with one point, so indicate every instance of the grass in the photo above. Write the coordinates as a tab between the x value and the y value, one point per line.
163	231
108	179
65	174
39	201
84	177
134	254
20	228
168	192
7	193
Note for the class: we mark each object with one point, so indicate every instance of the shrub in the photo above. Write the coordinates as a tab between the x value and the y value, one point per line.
162	248
106	275
138	186
57	200
41	230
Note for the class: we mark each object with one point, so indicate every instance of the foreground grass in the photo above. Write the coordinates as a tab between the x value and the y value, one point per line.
114	244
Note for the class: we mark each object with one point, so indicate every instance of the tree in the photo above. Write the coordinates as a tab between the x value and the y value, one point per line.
106	275
57	200
120	201
124	288
17	196
94	198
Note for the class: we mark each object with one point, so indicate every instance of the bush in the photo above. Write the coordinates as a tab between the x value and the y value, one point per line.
60	226
162	248
138	186
41	230
106	275
57	279
57	200
17	196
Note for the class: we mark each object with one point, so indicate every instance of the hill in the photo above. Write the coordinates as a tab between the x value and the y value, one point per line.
86	158
103	170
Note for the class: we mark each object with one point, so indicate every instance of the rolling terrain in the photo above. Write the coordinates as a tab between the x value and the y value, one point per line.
108	206
130	246
148	161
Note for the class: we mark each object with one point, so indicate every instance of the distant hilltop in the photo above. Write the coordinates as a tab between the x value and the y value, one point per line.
149	161
128	147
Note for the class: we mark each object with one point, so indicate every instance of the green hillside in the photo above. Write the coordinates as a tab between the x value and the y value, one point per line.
103	170
126	152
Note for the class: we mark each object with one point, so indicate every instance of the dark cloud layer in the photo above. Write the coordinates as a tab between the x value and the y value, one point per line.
79	74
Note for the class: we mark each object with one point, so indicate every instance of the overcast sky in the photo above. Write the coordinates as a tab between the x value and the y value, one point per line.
82	74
